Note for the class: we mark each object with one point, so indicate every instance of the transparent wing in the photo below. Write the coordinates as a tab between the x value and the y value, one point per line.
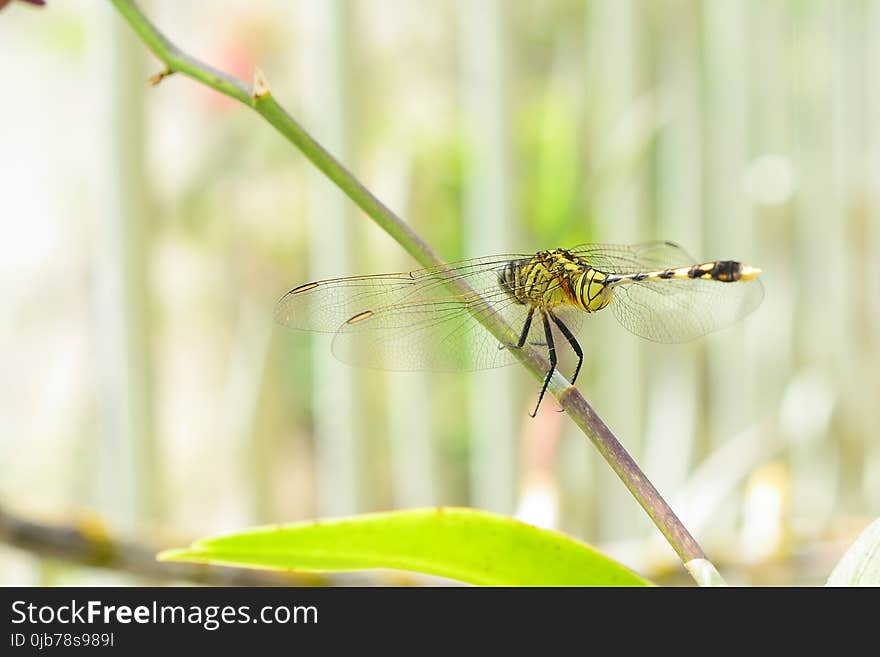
412	320
678	310
672	310
430	318
635	258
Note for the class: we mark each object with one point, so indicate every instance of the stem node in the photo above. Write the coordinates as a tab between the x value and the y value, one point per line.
261	86
153	80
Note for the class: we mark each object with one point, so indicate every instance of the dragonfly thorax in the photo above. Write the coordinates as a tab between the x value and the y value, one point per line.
555	278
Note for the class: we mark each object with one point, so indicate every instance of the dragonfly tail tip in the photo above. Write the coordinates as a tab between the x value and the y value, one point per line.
748	273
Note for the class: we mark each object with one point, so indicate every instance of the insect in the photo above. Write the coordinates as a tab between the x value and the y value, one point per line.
434	319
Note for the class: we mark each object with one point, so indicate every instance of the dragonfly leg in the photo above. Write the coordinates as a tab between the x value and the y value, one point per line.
572	341
524	334
526	327
551	348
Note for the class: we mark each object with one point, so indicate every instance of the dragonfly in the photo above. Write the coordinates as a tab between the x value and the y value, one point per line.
437	318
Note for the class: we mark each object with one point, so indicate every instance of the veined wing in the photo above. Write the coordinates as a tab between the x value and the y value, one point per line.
633	258
678	310
675	309
423	319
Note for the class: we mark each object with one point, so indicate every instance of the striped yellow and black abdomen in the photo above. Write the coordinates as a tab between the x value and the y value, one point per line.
724	271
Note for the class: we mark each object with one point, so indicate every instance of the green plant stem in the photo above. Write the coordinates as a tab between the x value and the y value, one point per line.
260	98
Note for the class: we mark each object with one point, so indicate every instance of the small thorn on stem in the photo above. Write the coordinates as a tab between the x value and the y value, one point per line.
158	77
261	85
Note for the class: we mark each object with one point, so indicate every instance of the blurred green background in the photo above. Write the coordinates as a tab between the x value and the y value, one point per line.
148	232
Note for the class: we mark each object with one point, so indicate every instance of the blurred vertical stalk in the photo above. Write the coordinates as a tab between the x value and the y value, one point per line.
872	247
675	376
487	219
728	221
248	356
851	365
127	480
410	429
614	58
727	215
326	106
410	436
770	185
818	243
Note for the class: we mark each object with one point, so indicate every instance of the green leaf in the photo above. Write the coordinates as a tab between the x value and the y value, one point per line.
860	565
464	544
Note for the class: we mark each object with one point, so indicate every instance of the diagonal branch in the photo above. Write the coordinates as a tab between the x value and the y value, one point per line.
87	543
259	98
